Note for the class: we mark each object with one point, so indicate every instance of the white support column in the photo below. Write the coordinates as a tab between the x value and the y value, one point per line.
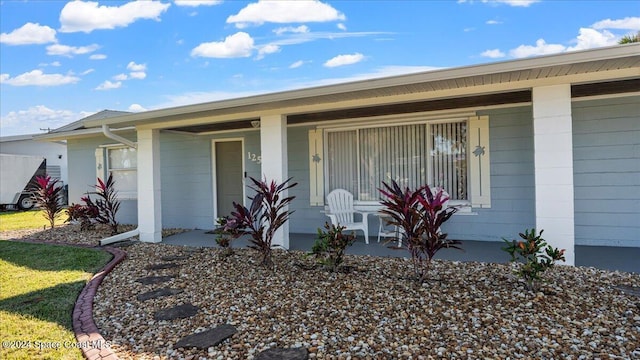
273	147
149	189
553	157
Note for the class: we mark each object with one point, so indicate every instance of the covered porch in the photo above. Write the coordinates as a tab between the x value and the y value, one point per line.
600	257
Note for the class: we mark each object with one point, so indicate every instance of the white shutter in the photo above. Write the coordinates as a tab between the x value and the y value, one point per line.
479	167
316	168
100	163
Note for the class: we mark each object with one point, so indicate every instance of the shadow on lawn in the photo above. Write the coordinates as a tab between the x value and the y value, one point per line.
51	304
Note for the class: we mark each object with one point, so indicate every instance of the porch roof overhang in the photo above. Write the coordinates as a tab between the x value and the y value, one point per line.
620	62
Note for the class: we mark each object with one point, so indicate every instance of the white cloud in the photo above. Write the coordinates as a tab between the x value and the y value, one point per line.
342	60
237	45
98	57
590	38
267	49
342	27
38	78
587	39
541	48
136	108
493	54
120	77
108	85
88	16
283	12
87	72
136	67
195	3
493	22
70	51
628	23
55	63
138	71
296	64
291	29
29	33
31	120
138	75
518	3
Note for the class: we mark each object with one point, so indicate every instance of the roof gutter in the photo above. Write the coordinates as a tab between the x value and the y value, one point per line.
107	132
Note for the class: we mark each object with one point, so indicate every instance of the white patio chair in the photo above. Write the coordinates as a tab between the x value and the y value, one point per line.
341	212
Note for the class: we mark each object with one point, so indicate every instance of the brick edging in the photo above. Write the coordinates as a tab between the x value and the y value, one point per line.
90	342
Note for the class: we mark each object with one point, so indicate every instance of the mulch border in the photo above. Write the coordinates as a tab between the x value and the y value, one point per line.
90	341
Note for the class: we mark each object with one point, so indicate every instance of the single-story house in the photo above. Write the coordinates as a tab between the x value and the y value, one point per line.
551	142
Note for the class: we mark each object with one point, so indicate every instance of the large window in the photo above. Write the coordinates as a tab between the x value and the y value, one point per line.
123	164
359	160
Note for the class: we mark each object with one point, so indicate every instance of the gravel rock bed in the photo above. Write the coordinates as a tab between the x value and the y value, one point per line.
71	234
374	311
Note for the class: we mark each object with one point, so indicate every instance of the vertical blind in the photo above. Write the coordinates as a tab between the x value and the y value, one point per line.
342	155
391	153
448	158
412	155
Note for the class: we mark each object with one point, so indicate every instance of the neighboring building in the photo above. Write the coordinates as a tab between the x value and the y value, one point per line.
549	142
54	152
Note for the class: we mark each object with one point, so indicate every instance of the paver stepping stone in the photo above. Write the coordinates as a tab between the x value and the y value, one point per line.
177	312
162	266
174	257
154	294
207	338
629	290
284	354
152	280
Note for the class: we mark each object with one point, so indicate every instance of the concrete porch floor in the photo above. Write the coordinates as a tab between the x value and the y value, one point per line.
602	257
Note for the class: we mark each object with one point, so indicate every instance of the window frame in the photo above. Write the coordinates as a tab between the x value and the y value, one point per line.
393	122
122	195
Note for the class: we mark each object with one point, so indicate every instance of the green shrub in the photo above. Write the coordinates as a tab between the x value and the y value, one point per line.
330	246
224	236
533	255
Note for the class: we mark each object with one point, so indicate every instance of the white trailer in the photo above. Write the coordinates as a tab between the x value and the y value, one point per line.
16	175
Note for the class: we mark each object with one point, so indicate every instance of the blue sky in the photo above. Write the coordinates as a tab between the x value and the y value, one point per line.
61	61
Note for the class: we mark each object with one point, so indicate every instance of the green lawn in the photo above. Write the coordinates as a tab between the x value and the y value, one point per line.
21	220
39	286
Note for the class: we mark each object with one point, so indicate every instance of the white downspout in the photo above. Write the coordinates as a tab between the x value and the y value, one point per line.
119	237
107	132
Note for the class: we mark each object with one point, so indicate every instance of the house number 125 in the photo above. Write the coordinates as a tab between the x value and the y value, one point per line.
253	157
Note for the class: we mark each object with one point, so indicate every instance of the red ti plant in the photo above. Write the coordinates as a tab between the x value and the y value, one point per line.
84	214
266	214
419	214
107	203
47	195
